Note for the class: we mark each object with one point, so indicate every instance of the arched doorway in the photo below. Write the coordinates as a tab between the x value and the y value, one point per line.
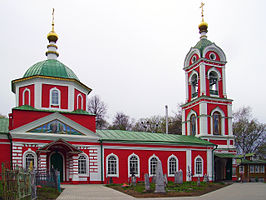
56	162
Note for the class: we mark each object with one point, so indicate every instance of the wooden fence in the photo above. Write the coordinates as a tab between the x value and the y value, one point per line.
17	184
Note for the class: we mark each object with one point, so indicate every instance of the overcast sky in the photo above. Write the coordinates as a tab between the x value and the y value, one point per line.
131	52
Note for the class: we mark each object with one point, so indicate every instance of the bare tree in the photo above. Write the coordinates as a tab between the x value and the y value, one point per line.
250	134
121	122
2	116
99	108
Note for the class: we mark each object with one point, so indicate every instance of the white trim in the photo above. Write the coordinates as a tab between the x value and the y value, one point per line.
202	79
209	164
149	163
29	151
192	112
188	164
63	162
217	109
117	166
216	49
203	119
213	69
82	101
51	98
168	166
194	72
186	85
87	164
174	148
195	166
189	56
23	95
128	164
224	81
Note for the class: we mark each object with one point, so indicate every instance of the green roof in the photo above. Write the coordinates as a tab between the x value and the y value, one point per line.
225	155
202	44
4	122
253	161
146	137
52	68
30	108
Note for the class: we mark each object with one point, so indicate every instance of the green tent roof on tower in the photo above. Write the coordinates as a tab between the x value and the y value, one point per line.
202	44
51	68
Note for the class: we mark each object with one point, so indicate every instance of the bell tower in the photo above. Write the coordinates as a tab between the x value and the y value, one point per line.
207	112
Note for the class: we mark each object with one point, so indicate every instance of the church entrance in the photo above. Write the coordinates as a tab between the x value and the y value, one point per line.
56	162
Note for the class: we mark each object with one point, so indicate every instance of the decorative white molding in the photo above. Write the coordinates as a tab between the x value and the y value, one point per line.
195	166
217	109
23	95
149	163
217	50
29	151
192	112
168	165
117	166
128	164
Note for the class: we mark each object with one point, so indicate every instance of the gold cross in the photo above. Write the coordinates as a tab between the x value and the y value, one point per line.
201	6
53	20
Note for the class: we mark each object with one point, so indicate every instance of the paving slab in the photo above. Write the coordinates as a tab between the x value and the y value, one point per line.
236	191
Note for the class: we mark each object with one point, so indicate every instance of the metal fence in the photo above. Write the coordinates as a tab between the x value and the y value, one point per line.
48	178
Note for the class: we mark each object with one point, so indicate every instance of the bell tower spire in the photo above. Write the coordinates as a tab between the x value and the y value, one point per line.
52	38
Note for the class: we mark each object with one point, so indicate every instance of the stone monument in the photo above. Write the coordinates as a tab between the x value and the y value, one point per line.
147	182
159	184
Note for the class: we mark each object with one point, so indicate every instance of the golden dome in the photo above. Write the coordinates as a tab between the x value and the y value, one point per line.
52	36
203	24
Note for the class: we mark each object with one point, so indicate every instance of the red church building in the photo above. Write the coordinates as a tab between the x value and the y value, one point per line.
51	128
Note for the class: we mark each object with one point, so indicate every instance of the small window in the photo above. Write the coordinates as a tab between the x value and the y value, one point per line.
199	166
26	97
216	118
82	165
257	169
241	169
172	166
112	168
251	168
134	165
262	170
193	125
212	56
153	165
80	102
55	97
194	59
30	159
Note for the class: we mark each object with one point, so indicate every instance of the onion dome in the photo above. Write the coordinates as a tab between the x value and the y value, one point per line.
50	68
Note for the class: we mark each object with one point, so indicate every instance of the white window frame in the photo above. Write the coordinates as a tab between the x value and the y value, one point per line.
51	98
138	165
262	169
168	164
117	166
23	95
86	164
195	166
251	168
153	156
188	121
257	169
79	95
29	151
241	169
217	109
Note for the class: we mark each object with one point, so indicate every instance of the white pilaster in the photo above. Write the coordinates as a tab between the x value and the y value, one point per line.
37	95
75	176
230	117
209	164
224	85
202	79
188	165
203	119
183	123
186	80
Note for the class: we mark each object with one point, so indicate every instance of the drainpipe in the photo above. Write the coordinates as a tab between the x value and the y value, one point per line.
166	119
213	162
101	142
11	149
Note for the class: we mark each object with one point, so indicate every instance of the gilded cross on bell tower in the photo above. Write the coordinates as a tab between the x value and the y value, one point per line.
202	11
53	20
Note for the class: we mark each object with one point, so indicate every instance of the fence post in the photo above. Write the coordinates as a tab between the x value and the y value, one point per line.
18	182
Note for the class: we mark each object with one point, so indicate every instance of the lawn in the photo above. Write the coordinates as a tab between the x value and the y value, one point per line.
172	189
47	193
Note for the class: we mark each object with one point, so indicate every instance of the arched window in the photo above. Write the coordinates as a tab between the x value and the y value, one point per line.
79	102
193	125
213	80
82	164
29	159
216	121
194	85
133	165
198	166
112	165
54	97
153	165
172	165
